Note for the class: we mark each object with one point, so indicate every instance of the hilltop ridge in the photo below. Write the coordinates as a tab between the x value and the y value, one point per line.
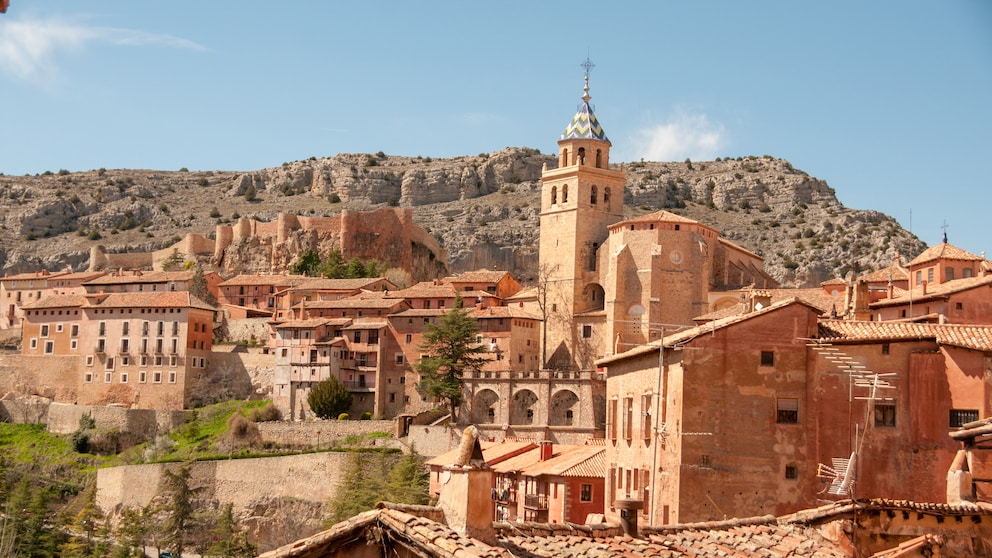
483	208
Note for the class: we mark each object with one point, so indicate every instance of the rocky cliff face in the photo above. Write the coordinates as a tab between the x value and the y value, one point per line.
483	209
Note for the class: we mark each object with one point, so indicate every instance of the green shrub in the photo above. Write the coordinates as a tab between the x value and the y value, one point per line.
366	416
343	416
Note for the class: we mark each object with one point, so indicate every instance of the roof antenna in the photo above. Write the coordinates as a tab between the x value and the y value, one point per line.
944	226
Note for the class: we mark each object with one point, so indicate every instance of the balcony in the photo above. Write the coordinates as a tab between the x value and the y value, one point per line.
536	501
505	496
366	386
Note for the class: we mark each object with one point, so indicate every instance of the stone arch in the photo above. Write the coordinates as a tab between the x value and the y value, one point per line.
606	197
582	156
554	195
599	158
564	193
595	296
523	407
485	407
592	195
564	158
564	408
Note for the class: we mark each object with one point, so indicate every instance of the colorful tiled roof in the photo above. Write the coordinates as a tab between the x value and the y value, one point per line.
584	124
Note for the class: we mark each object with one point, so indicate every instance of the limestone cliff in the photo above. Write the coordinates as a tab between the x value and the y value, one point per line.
483	209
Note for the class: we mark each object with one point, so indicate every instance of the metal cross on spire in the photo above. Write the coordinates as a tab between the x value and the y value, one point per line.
588	66
944	226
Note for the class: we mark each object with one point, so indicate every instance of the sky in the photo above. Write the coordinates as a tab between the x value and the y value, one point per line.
889	101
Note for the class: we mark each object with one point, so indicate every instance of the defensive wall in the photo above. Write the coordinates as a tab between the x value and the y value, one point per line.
146	423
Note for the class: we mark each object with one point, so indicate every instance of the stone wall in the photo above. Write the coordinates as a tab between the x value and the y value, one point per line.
49	376
323	431
146	423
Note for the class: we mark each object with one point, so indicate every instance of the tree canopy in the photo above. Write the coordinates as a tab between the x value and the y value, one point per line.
329	398
334	266
452	347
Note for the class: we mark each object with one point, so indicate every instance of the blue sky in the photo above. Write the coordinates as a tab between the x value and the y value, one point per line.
888	101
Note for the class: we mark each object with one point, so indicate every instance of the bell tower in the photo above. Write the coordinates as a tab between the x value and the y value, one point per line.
579	200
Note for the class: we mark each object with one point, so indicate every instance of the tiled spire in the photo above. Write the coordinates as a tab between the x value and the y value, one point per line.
584	124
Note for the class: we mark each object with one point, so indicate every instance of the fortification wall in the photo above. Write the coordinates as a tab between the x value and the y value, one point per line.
323	432
100	259
64	419
241	482
49	376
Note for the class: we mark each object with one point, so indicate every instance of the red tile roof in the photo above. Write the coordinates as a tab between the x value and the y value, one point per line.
501	312
57	301
249	280
477	276
325	284
154	299
933	292
943	251
492	452
135	277
974	337
572	461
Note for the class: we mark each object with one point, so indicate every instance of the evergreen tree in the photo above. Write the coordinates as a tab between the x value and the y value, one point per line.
132	532
229	540
452	348
308	264
333	266
356	269
179	507
329	398
198	288
360	487
409	480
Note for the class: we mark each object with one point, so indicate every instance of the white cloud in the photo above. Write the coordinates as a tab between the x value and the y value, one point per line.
685	135
29	49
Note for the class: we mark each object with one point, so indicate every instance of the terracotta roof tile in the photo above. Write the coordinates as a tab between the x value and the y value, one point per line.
477	276
937	291
135	277
492	452
154	299
57	301
943	251
975	337
323	283
247	280
501	312
572	461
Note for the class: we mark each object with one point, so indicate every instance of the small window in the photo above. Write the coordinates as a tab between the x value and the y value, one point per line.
961	417
885	415
791	472
73	345
409	337
172	377
89	360
392	397
768	358
108	377
157	377
585	493
110	363
123	377
959	306
930	275
399	359
88	377
74	330
586	331
142	377
402	379
949	274
885	348
44	330
49	347
787	410
34	342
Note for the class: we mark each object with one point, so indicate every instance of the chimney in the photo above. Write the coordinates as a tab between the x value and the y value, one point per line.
629	509
547	450
464	495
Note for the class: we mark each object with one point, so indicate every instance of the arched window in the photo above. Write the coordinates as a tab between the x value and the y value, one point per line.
582	155
564	158
554	195
592	195
606	197
564	194
599	158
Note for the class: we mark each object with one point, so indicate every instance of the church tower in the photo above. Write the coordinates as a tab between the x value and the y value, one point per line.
579	200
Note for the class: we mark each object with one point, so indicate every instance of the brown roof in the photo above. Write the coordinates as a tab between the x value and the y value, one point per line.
134	277
492	452
323	283
659	216
572	461
974	337
501	312
478	276
933	292
57	301
420	313
246	279
154	299
303	324
351	302
34	275
943	251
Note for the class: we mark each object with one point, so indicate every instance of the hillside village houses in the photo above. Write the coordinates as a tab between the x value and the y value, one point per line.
711	392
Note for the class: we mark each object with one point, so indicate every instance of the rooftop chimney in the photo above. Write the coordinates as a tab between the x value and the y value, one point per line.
628	515
462	483
547	450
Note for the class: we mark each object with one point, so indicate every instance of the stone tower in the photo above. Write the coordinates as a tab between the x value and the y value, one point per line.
579	200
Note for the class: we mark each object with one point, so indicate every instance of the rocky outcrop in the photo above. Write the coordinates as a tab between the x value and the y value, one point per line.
483	210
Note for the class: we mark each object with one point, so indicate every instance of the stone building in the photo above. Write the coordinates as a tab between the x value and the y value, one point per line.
607	284
734	416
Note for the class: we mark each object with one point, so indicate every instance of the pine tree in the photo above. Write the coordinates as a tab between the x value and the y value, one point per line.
132	532
409	481
229	540
329	398
198	288
360	487
452	348
179	507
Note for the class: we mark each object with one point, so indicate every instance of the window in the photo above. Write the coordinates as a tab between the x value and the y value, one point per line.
125	345
173	361
564	194
791	472
108	377
123	377
172	377
74	330
919	277
73	345
959	306
885	348
569	417
409	337
34	343
628	413
402	379
89	360
966	273
59	328
768	358
612	418
49	347
125	361
399	359
110	364
175	328
125	327
646	416
88	377
885	414
949	274
157	377
592	195
358	337
44	330
554	195
529	419
961	417
142	377
787	410
392	397
585	493
586	331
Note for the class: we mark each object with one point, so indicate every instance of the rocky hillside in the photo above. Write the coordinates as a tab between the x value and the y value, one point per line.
484	208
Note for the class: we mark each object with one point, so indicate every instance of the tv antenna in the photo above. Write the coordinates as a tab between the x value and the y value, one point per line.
842	472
